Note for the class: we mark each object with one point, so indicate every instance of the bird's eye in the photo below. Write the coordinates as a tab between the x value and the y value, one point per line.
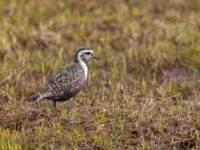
88	53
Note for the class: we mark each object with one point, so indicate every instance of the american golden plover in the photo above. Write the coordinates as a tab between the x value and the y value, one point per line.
68	81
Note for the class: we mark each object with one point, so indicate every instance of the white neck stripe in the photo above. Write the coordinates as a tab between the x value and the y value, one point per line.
82	63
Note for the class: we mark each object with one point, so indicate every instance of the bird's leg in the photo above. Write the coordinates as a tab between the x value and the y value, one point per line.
69	109
55	108
37	104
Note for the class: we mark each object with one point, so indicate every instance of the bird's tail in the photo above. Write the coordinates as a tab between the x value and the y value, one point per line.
39	96
34	97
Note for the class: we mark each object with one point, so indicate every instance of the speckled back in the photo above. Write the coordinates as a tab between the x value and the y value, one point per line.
65	83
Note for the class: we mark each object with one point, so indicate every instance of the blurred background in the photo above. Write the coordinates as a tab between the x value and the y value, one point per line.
143	93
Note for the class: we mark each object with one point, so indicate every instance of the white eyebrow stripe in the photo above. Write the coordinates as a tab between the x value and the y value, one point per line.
85	51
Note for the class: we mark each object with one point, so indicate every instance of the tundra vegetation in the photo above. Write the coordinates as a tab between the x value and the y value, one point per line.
142	94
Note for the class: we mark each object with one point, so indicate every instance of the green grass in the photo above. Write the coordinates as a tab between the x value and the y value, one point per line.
142	94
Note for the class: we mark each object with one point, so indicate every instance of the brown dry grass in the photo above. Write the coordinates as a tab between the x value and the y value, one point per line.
143	94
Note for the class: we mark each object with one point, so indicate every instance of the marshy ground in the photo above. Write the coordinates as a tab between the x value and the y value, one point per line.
143	93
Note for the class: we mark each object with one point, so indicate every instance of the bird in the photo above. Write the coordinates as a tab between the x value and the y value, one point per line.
66	83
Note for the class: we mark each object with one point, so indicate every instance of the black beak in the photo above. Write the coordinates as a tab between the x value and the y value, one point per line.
96	57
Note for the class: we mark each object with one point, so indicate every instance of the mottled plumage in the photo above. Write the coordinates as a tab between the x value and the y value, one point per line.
67	81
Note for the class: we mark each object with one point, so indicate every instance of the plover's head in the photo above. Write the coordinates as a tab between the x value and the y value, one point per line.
84	54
